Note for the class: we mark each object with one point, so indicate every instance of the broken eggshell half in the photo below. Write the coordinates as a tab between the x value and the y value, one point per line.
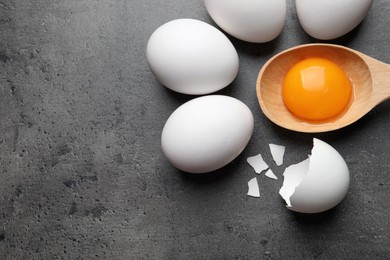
318	183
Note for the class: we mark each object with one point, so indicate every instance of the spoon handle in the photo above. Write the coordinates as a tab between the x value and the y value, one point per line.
380	73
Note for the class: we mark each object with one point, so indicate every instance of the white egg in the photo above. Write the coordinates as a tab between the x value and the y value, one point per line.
249	20
330	19
192	57
317	184
206	133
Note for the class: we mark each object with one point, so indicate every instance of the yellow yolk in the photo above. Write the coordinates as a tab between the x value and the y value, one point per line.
316	89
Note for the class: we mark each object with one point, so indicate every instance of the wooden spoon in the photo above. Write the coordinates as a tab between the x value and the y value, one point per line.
370	77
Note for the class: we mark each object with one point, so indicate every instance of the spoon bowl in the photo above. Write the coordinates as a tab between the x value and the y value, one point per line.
370	79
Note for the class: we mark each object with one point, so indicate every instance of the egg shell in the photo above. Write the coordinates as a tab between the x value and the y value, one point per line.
326	182
192	57
206	133
330	19
249	20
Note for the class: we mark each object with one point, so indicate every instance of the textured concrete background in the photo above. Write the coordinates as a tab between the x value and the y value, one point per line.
82	174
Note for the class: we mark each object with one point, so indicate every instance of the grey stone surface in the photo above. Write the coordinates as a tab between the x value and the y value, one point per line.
82	173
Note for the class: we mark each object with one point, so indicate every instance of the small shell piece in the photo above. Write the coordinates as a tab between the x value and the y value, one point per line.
277	152
257	162
270	174
253	188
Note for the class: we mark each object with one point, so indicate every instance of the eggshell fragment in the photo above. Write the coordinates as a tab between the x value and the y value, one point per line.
192	57
277	152
317	184
206	133
253	188
257	162
270	174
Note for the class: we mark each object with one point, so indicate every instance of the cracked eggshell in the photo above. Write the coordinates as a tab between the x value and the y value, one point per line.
249	20
253	188
192	57
270	174
277	152
258	163
330	19
206	133
318	183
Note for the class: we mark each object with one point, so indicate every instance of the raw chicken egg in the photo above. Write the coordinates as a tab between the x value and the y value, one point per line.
318	183
249	20
329	19
192	57
316	89
206	133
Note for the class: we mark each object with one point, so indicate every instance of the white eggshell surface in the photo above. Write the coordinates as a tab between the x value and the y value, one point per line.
206	133
318	183
192	57
330	19
249	20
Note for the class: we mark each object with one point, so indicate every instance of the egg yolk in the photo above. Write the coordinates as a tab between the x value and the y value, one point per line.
316	89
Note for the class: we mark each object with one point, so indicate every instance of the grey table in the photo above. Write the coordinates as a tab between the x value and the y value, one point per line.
82	173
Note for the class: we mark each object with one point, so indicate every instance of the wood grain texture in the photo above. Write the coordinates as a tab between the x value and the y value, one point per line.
370	79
